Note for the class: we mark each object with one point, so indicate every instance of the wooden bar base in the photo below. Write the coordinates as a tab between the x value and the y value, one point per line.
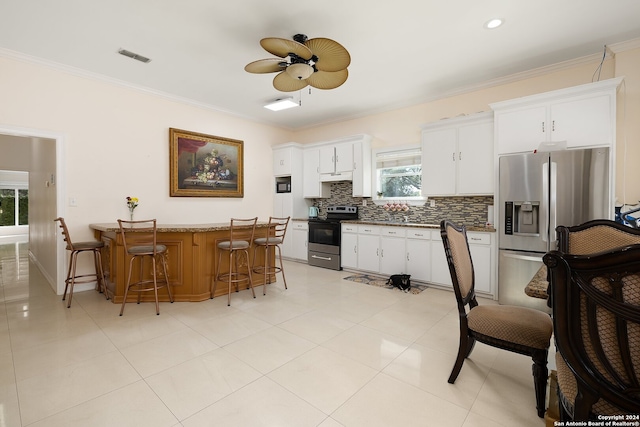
192	254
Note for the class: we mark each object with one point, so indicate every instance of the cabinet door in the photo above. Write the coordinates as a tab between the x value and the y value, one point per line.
419	259
439	266
344	157
311	186
583	121
361	169
392	255
300	237
282	161
439	162
327	159
481	256
349	250
475	159
368	252
521	130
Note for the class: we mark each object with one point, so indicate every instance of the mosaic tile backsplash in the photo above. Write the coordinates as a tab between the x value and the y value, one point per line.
469	211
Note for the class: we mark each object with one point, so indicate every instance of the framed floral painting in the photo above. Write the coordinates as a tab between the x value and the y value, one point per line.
205	165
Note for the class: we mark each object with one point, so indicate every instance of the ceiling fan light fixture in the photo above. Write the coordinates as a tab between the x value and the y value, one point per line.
282	104
300	71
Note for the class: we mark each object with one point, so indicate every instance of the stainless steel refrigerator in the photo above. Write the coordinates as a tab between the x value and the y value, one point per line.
536	193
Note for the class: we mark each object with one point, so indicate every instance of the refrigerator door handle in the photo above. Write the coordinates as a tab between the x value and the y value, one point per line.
553	196
544	203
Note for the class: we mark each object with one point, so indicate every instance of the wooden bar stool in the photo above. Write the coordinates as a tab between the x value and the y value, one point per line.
241	235
140	241
276	231
75	249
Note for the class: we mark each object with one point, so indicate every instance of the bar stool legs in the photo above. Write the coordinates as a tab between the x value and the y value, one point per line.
276	232
72	276
241	236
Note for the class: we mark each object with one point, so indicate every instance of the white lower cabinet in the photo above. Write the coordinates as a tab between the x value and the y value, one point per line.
480	248
415	251
418	254
439	267
299	239
369	248
349	246
392	250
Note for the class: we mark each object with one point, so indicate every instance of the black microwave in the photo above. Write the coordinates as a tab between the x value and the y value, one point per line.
283	184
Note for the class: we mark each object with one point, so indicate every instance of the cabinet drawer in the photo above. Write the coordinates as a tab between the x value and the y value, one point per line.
479	238
300	225
419	233
393	232
349	228
368	229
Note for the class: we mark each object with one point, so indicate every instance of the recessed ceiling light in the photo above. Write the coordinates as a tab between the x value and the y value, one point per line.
281	104
493	23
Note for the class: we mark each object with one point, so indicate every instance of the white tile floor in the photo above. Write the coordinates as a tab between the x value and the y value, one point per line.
326	352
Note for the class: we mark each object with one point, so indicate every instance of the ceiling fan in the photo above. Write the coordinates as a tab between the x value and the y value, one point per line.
321	63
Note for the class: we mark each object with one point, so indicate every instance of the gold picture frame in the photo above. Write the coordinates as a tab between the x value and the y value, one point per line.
205	165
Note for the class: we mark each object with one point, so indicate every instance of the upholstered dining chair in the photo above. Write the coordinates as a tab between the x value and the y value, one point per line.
518	329
275	233
241	235
596	312
75	249
140	242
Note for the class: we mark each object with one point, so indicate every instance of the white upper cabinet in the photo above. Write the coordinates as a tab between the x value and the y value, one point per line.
346	159
580	116
457	156
282	159
336	158
312	187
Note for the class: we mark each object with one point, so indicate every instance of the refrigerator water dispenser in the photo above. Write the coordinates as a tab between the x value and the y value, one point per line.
522	218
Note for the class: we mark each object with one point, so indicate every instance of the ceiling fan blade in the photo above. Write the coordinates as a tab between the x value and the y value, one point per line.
283	47
332	56
285	83
262	66
328	79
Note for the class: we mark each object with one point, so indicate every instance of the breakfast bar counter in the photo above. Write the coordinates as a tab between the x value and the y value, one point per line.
192	255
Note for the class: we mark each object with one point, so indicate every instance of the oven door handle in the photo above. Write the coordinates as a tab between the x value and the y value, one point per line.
321	257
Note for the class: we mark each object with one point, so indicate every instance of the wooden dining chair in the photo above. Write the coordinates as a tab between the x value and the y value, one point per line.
518	329
596	313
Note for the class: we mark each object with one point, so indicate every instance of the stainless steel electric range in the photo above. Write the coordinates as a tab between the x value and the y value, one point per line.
324	236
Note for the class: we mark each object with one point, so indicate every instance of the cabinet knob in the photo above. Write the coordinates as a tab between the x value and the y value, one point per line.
542	127
553	126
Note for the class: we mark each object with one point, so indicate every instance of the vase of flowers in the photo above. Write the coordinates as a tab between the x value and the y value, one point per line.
132	203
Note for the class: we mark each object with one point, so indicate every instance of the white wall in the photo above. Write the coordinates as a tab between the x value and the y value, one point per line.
116	143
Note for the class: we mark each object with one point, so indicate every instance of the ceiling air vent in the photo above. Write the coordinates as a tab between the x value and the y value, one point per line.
134	56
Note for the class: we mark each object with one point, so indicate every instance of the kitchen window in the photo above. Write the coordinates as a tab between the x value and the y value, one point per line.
398	173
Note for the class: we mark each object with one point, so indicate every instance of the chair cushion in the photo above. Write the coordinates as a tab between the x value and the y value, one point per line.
140	250
268	241
569	389
237	244
520	325
87	246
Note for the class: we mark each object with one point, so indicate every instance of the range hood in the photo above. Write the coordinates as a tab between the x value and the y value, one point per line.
334	177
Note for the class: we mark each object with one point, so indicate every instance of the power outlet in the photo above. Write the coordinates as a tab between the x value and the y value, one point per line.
364	202
432	203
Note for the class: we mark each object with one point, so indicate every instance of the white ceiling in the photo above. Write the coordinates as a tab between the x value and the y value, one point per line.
403	52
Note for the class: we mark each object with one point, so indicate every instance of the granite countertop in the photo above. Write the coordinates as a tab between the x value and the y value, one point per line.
413	224
174	228
538	285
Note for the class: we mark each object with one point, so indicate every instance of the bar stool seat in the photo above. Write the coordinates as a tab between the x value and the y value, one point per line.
276	231
140	241
241	235
78	248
